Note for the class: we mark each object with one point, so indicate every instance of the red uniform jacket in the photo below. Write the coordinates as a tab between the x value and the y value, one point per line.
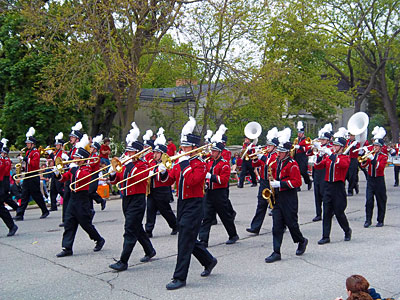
288	173
171	149
72	152
32	160
376	167
353	154
55	154
303	145
335	170
7	169
2	168
251	150
190	179
220	173
384	149
264	163
149	157
227	155
156	180
94	163
76	173
129	170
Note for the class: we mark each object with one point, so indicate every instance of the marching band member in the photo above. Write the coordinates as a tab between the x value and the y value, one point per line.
247	166
6	179
95	165
189	173
216	199
133	202
148	144
319	175
4	213
74	138
336	165
56	187
227	155
376	163
352	173
395	152
160	192
300	156
79	207
31	186
265	162
287	181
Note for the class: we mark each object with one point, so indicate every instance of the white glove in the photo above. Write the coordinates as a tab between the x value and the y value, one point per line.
55	170
371	157
258	148
162	168
151	173
64	156
363	149
20	157
275	184
296	147
49	152
73	165
259	156
208	175
183	158
328	151
317	144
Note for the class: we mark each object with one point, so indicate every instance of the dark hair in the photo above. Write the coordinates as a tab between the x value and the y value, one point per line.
359	296
357	283
169	139
106	140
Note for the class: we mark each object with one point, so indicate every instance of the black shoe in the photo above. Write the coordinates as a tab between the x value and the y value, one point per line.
396	184
379	224
174	231
64	252
232	240
175	284
147	258
299	189
45	215
209	268
61	224
347	235
99	245
13	230
357	188
149	234
119	266
53	209
349	194
214	222
317	218
273	258
103	204
270	213
309	186
18	218
254	184
324	241
252	231
114	193
302	247
240	186
367	224
204	243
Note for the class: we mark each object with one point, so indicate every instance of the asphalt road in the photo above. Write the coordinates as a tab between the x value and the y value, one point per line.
30	270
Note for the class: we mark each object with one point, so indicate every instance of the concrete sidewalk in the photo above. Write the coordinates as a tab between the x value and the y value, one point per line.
30	270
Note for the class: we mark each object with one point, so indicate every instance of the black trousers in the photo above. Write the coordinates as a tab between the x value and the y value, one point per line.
4	213
352	175
376	187
31	187
262	206
133	208
319	189
7	196
158	200
217	202
396	174
302	161
335	203
78	213
93	195
56	188
247	168
189	220
66	197
285	213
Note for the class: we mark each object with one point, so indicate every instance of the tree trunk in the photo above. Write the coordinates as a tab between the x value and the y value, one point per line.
102	120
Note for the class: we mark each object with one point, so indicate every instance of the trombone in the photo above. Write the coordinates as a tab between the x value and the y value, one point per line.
42	151
363	159
116	166
166	160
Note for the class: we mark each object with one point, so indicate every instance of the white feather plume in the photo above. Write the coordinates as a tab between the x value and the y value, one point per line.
4	142
98	139
78	126
208	135
284	135
300	125
134	132
380	134
189	127
160	140
217	137
83	142
59	136
160	131
326	128
342	132
375	131
147	136
31	132
272	133
222	128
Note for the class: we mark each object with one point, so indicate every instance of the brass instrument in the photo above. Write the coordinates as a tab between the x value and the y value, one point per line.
65	144
293	149
269	194
42	151
168	163
252	131
262	151
363	159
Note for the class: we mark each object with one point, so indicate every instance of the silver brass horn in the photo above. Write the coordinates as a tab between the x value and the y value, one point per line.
358	126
